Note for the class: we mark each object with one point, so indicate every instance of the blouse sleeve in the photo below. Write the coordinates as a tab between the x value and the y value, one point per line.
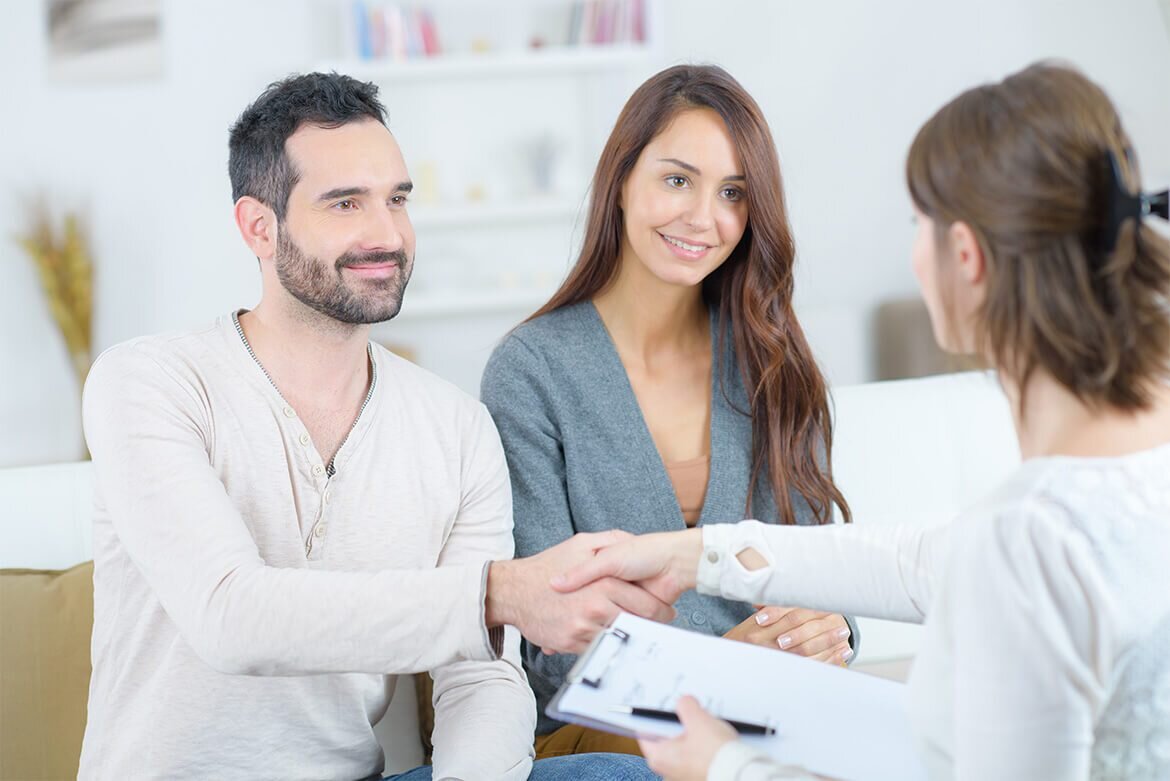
882	572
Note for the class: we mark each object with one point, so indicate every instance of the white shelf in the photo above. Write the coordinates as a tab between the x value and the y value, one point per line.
548	60
466	303
489	214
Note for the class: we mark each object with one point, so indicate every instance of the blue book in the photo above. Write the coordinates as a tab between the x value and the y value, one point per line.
361	28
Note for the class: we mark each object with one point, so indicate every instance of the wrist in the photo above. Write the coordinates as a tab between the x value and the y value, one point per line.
499	604
685	557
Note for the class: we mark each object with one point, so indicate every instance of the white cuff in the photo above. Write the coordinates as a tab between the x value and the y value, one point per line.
737	761
720	571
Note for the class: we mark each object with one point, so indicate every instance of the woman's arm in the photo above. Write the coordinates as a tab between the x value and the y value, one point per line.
881	572
885	572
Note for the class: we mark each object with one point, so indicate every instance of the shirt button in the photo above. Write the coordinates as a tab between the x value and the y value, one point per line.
713	556
319	531
318	469
304	439
698	618
289	412
327	495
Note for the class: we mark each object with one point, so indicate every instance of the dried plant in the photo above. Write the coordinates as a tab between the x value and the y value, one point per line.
66	272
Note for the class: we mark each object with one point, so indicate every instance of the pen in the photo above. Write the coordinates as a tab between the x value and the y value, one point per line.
742	727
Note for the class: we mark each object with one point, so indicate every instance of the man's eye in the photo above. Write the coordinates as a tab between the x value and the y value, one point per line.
346	205
399	200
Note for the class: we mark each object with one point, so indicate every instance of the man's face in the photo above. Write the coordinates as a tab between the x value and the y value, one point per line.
346	245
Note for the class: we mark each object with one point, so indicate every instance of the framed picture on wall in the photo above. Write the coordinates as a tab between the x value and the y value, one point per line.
104	40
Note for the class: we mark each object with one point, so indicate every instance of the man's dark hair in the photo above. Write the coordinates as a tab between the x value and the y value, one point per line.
257	162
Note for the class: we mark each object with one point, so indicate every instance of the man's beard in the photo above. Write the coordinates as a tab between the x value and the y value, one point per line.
325	290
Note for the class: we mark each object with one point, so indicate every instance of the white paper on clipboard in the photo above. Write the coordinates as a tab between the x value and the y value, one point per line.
828	719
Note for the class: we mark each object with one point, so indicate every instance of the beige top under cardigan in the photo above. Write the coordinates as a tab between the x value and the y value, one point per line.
251	610
1046	651
689	479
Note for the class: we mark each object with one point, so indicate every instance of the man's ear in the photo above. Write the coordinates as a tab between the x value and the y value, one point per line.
258	226
968	253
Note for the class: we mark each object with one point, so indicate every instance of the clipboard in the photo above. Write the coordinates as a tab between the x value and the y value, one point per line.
829	720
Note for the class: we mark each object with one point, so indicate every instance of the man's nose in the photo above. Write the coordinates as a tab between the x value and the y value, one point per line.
385	231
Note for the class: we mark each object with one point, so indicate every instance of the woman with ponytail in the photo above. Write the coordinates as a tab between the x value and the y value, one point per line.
668	384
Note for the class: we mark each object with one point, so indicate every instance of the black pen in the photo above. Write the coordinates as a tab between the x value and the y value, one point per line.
742	727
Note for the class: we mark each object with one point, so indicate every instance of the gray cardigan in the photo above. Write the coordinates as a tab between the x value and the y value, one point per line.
582	460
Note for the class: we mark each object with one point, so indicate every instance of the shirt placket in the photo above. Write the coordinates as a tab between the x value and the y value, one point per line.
327	472
321	480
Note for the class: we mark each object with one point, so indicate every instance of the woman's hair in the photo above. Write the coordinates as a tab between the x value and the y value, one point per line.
789	409
1025	163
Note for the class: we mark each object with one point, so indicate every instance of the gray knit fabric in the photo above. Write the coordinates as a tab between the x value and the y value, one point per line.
582	460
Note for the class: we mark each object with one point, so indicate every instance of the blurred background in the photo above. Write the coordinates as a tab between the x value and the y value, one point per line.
115	207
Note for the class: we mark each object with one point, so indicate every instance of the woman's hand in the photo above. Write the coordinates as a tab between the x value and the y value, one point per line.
820	636
665	564
687	757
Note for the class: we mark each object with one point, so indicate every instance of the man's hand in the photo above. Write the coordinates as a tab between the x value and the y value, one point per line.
820	636
665	564
518	593
688	757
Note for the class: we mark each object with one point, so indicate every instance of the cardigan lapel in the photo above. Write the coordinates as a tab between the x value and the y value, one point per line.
629	416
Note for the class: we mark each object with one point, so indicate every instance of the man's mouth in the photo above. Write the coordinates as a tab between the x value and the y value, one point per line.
373	269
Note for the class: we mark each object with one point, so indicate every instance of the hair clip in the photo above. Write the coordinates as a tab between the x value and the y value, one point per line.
1157	204
1123	205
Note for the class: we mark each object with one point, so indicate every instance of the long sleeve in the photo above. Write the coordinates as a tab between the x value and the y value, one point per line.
484	711
886	572
737	761
148	431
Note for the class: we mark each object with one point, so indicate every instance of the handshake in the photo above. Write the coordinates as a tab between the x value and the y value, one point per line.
562	597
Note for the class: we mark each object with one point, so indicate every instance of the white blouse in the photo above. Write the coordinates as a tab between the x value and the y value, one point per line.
1047	642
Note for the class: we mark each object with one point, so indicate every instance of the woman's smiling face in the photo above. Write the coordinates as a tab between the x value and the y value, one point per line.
684	203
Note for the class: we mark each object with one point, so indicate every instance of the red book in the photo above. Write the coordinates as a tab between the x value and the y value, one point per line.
430	36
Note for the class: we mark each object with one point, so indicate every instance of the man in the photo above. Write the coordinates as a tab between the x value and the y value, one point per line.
288	516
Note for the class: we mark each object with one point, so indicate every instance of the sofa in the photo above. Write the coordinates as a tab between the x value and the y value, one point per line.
910	451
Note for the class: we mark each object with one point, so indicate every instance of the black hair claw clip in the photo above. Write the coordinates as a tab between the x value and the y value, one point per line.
1123	205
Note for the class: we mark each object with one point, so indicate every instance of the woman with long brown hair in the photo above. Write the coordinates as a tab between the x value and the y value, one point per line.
1047	614
668	384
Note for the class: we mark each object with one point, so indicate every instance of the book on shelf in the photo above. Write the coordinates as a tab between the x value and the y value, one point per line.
400	32
601	22
391	31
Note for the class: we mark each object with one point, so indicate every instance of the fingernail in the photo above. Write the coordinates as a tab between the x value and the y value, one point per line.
761	618
842	633
785	641
847	654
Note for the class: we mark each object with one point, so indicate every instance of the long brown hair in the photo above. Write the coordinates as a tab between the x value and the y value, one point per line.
1025	164
789	406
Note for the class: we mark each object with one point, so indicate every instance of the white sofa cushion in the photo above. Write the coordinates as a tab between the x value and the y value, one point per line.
47	520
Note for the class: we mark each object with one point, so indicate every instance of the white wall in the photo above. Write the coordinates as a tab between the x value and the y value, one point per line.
844	85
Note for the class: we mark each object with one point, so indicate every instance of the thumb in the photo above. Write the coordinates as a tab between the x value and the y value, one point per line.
691	713
582	575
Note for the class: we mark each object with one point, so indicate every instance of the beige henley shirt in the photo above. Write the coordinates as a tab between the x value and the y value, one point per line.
251	610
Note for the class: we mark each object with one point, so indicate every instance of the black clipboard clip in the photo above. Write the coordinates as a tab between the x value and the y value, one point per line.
614	641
